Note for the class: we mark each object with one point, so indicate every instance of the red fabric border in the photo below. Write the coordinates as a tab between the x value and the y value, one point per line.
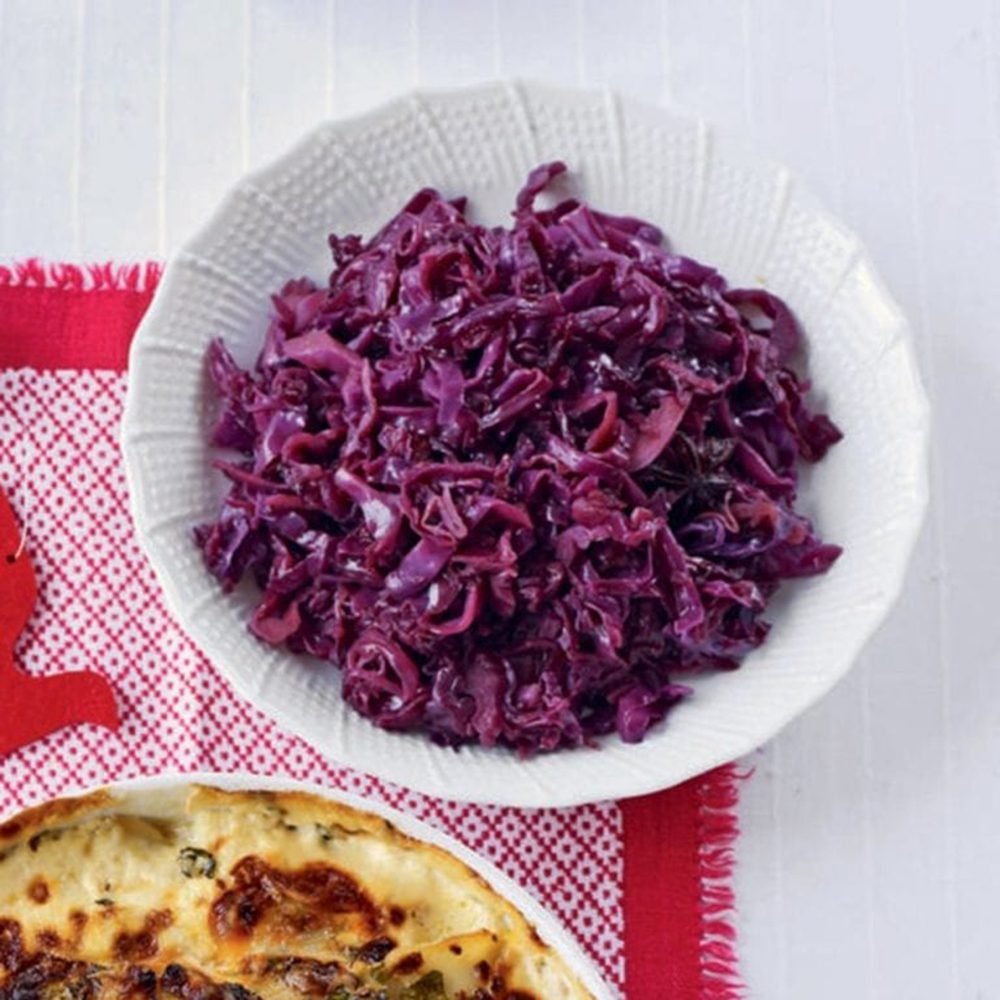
679	943
661	894
63	316
679	940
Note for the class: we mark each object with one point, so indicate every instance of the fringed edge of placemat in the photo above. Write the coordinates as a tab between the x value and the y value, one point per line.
718	824
76	312
110	277
680	936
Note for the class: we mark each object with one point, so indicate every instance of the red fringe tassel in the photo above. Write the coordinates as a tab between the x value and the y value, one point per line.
718	796
33	273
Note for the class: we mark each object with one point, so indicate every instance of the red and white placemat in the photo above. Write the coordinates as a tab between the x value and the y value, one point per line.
643	883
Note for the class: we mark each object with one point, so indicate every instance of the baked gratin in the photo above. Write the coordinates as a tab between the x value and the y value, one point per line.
236	895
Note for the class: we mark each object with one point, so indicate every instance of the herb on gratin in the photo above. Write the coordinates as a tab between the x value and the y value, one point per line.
195	861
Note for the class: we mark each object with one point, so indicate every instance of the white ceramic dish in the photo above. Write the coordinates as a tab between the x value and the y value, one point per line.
718	203
163	794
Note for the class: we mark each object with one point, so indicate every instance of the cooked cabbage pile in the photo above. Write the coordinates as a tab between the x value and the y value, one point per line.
515	482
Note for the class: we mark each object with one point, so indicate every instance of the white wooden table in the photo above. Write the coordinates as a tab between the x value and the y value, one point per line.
870	859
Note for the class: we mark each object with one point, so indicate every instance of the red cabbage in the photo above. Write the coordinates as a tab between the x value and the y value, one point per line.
514	482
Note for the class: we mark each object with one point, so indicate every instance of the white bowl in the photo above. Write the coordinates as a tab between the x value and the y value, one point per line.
164	794
717	203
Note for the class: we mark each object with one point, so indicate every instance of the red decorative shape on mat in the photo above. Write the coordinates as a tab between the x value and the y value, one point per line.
33	707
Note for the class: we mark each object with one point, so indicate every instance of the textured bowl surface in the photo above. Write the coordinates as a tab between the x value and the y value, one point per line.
716	202
164	794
